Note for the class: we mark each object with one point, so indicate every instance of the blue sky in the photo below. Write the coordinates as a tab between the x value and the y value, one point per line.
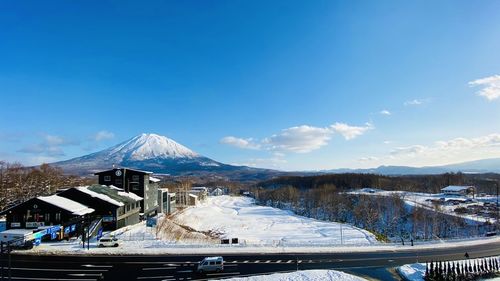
294	85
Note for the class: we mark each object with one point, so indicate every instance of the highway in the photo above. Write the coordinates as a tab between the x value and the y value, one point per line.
182	267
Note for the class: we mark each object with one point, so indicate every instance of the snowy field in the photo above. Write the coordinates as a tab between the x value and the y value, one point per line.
425	200
306	275
416	271
239	217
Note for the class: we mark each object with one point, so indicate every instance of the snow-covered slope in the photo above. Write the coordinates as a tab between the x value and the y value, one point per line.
154	153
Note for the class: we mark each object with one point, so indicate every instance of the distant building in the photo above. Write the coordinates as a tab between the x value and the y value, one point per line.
201	192
138	182
114	206
459	190
166	201
193	199
217	192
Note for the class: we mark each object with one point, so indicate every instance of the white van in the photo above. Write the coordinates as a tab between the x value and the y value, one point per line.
211	264
108	242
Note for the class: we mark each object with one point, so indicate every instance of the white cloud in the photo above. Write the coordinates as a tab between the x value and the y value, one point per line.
491	87
239	142
409	150
368	159
414	102
50	145
385	112
103	135
299	139
445	152
350	132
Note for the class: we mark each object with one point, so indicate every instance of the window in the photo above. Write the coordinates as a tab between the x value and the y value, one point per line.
47	217
135	178
118	181
58	217
107	178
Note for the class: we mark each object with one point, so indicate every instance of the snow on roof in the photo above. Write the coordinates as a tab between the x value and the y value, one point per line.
192	195
456	188
64	203
18	231
153	179
130	195
104	197
198	188
116	188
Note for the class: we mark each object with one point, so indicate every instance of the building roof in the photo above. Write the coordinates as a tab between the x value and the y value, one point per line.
104	197
192	195
69	205
115	194
153	179
456	188
126	169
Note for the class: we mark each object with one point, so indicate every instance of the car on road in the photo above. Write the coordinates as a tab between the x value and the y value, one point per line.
108	242
211	264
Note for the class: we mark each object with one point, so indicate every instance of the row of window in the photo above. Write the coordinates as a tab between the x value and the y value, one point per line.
135	178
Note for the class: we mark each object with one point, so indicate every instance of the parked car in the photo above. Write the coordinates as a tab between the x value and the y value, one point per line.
108	242
211	264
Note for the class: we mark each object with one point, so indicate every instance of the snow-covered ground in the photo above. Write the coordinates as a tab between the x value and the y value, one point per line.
447	205
239	217
416	271
259	230
306	275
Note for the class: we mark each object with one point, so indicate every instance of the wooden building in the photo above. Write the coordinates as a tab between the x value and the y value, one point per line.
138	182
46	211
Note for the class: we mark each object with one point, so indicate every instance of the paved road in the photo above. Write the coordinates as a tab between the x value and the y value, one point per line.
182	267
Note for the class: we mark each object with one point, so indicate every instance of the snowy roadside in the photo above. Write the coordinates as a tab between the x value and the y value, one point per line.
259	229
305	275
416	271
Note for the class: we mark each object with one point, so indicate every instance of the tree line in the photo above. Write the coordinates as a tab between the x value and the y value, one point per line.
415	183
389	217
19	183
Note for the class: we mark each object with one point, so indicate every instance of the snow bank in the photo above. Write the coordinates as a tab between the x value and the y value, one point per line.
306	275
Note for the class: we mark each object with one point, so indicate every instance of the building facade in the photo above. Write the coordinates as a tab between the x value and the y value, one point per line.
134	181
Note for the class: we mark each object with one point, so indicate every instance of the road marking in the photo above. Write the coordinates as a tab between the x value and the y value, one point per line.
167	279
340	260
58	269
184	271
289	261
96	266
390	260
300	261
245	261
257	261
158	268
310	261
84	274
278	261
50	279
170	264
223	273
235	261
154	277
268	261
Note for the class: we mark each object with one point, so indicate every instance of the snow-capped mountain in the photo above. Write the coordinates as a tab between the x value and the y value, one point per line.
150	152
149	146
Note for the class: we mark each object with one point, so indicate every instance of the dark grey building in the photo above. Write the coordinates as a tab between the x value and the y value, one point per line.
138	182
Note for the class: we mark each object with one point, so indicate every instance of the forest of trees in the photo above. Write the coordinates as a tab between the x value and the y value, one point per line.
388	217
19	183
416	183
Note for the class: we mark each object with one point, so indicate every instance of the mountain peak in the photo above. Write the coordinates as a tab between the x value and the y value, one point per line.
150	146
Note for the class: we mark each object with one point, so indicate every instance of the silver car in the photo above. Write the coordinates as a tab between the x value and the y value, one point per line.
211	264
